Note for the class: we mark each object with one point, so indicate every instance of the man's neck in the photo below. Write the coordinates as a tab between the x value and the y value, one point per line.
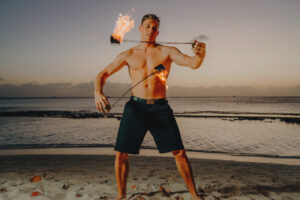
146	45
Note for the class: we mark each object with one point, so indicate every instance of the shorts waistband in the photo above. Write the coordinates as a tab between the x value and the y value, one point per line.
149	101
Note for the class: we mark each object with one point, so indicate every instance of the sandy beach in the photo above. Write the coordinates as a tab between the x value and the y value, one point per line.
61	174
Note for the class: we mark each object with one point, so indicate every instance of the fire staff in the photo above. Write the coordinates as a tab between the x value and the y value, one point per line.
148	108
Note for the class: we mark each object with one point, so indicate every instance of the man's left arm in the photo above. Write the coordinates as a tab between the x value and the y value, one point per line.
193	62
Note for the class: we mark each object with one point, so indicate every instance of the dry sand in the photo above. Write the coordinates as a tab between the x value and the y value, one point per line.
86	176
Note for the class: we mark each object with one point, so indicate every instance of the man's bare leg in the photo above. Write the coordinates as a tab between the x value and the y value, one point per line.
121	171
185	170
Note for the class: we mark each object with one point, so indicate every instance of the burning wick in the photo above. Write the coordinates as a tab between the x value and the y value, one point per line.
122	26
161	73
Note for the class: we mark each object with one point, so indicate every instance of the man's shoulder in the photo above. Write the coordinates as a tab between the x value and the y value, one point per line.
166	48
126	53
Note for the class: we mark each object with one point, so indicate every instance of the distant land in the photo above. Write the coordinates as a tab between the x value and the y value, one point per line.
86	89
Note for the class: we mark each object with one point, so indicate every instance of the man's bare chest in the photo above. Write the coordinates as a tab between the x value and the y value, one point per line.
146	60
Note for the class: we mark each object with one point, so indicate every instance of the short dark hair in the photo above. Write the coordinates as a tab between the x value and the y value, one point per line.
150	16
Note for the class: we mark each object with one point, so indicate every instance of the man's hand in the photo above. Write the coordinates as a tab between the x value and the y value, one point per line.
101	102
199	48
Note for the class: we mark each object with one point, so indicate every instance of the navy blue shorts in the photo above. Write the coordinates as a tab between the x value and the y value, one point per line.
139	117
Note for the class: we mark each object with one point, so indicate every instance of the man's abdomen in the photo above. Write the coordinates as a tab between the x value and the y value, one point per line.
150	91
152	87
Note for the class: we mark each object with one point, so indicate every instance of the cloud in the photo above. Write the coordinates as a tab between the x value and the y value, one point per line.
234	91
34	89
1	79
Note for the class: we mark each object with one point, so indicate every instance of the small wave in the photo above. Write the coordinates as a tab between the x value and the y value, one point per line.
45	146
61	114
235	113
232	116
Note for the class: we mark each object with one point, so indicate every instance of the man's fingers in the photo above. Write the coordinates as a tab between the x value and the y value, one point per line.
200	44
97	106
199	48
197	43
102	103
106	104
101	108
105	101
199	51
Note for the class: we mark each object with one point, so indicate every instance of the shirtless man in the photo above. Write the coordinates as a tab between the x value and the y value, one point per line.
148	109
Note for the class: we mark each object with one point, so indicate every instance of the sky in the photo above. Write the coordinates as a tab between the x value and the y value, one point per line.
250	43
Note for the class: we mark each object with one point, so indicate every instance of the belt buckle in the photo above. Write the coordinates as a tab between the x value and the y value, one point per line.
149	101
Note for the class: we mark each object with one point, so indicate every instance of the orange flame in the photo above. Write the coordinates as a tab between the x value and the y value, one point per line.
163	76
122	26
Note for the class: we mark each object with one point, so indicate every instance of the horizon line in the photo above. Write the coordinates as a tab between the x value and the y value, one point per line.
77	97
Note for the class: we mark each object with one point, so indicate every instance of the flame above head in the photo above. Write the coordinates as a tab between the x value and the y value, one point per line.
122	26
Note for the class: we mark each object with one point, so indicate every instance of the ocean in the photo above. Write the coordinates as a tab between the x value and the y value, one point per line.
247	126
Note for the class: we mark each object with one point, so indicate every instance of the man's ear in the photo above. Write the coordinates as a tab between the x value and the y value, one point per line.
140	27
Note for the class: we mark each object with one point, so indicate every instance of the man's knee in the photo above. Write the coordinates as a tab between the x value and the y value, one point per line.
121	156
179	153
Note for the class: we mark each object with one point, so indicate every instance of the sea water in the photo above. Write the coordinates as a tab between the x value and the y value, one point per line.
232	125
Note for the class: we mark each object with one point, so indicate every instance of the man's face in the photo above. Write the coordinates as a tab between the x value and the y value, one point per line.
149	30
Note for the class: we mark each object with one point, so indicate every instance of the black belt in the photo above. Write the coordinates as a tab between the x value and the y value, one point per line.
149	101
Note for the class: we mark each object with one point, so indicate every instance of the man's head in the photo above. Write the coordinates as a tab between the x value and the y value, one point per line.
150	16
149	27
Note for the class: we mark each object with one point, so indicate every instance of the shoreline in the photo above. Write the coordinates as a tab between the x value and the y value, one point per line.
109	151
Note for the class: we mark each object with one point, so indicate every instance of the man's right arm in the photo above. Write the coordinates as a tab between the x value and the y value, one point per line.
101	101
193	62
